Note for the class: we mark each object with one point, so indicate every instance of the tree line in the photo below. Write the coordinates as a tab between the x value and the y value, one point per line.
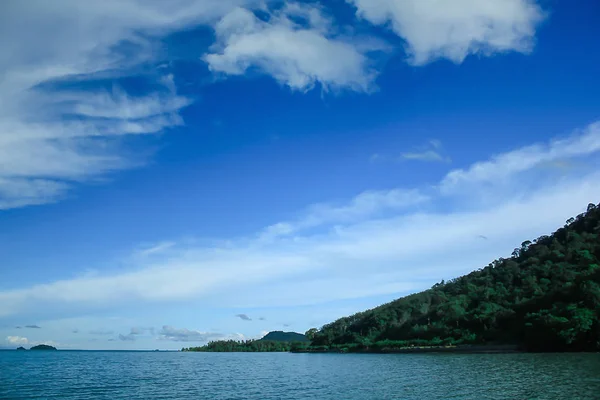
249	346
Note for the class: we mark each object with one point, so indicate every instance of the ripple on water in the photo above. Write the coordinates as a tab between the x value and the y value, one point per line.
264	376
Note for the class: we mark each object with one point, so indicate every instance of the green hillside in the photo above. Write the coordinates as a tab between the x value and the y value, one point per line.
276	341
43	347
280	336
546	297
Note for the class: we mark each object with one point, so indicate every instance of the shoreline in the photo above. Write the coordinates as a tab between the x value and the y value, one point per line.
473	349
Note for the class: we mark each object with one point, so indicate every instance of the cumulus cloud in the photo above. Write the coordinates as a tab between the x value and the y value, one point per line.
297	54
53	136
244	317
454	29
312	266
188	335
17	340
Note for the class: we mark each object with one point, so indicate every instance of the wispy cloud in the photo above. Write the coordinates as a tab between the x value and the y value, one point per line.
244	317
52	136
502	167
101	332
298	265
134	333
189	335
428	155
33	327
368	204
433	152
458	28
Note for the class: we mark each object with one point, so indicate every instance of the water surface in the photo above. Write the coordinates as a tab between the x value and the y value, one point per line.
144	375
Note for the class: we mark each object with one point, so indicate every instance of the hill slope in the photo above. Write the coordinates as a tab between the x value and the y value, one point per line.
280	336
546	297
275	341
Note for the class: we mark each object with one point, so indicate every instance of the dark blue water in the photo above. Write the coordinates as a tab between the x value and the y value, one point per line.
140	375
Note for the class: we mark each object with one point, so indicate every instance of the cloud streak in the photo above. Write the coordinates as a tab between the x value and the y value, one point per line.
53	137
371	231
432	152
190	335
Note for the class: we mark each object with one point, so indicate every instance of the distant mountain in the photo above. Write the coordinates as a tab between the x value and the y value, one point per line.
21	348
275	341
280	336
42	347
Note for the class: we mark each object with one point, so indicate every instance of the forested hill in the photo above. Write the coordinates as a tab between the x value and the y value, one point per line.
272	342
546	297
279	336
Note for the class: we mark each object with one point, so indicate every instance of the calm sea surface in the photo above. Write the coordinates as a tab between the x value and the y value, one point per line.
140	375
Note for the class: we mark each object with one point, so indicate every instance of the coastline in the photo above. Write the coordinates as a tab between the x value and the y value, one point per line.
465	349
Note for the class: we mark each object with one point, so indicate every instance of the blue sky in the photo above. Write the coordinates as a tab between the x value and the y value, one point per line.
177	172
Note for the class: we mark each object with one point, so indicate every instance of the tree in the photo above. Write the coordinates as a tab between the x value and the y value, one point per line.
310	334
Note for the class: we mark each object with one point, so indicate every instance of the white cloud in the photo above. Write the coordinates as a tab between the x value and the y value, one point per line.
427	155
501	168
372	245
297	55
189	335
367	204
52	137
17	340
454	29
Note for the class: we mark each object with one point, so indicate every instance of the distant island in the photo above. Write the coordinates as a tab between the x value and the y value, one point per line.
43	347
21	348
545	297
276	341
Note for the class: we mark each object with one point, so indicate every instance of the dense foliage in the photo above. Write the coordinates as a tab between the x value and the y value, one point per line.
272	342
280	336
546	297
43	347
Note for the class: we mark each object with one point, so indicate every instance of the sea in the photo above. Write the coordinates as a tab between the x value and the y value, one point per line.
180	375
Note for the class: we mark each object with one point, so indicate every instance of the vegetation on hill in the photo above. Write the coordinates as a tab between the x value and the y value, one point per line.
280	336
43	347
276	341
546	297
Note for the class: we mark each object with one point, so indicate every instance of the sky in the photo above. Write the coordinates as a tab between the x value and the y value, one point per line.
178	172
